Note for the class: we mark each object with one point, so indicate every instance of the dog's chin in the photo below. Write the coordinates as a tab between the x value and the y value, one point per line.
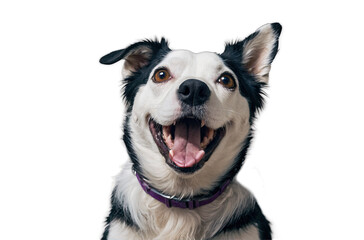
187	144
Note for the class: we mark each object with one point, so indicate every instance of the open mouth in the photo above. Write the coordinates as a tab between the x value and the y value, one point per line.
186	144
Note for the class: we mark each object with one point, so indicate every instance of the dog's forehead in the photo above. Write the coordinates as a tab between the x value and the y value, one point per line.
186	55
182	62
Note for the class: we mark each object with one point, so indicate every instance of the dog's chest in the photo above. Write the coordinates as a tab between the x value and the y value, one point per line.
167	223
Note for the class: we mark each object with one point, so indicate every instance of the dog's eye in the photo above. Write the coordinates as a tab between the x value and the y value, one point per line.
227	81
161	75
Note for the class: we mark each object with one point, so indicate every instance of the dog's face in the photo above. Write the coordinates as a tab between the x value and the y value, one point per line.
189	114
189	102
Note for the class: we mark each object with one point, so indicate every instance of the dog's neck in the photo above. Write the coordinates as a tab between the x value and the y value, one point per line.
190	203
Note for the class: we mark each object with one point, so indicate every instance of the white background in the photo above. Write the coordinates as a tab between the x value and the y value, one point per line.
61	111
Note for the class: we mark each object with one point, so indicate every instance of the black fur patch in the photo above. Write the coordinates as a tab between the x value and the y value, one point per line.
156	52
129	146
139	78
252	216
249	86
117	212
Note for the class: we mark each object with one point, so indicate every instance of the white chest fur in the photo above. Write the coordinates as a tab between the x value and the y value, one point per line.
156	221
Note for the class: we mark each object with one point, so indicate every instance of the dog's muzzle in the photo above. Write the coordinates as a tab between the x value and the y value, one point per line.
188	143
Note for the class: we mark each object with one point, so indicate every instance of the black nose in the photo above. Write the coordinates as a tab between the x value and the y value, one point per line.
193	92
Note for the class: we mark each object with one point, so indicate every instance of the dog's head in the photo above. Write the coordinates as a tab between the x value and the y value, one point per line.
189	115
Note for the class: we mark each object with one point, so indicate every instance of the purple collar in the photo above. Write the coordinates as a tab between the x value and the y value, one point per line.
181	203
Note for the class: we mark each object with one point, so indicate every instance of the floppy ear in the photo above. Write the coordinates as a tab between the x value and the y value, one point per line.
258	50
136	56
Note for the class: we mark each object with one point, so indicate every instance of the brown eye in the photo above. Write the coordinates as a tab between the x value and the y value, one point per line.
161	75
227	81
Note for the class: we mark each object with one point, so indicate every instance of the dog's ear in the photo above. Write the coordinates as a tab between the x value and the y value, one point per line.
136	55
257	51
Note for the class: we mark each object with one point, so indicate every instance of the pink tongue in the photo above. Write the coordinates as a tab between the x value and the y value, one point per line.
186	148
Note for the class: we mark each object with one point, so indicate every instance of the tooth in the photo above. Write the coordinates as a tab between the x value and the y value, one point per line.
174	123
167	137
171	154
166	131
203	123
204	143
210	134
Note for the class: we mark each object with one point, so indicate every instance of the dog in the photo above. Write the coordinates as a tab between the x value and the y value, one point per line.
187	129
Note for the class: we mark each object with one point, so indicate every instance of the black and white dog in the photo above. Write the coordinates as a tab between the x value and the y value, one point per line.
187	130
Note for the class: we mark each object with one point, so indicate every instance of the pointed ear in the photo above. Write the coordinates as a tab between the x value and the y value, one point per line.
258	50
136	56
